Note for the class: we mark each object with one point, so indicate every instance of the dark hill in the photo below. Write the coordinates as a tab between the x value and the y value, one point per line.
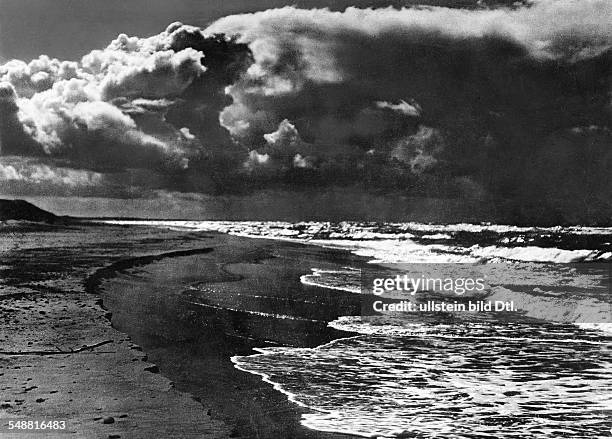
23	211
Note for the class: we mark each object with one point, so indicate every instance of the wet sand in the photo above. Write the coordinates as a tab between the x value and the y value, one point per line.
191	314
61	360
162	369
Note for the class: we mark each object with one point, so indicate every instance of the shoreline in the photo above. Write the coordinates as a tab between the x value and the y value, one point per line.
62	360
270	412
125	329
95	370
266	378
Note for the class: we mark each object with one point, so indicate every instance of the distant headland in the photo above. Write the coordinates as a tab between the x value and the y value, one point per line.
21	210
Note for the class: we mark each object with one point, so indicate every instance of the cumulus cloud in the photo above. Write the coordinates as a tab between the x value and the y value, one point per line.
420	150
413	109
159	75
285	135
256	161
7	93
337	63
29	176
107	111
302	162
424	100
279	151
37	75
44	174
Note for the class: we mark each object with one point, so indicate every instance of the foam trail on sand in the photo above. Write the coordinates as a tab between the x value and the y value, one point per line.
346	280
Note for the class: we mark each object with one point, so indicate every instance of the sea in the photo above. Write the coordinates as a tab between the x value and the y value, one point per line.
543	372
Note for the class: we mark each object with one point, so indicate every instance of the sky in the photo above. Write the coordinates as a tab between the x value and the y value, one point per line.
482	111
68	29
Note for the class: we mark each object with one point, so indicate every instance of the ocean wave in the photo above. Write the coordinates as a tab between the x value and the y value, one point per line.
544	373
537	254
500	382
401	242
395	251
396	326
359	230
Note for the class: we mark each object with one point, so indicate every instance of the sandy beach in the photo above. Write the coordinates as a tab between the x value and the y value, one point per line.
305	220
162	368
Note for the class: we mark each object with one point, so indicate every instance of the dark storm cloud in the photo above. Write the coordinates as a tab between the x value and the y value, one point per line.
511	72
481	98
500	103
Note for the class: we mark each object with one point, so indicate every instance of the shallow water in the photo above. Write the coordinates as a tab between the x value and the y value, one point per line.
461	381
543	372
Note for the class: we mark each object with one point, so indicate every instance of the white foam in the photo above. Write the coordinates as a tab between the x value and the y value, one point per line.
350	229
382	387
385	326
256	313
317	279
397	246
532	254
603	327
437	236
